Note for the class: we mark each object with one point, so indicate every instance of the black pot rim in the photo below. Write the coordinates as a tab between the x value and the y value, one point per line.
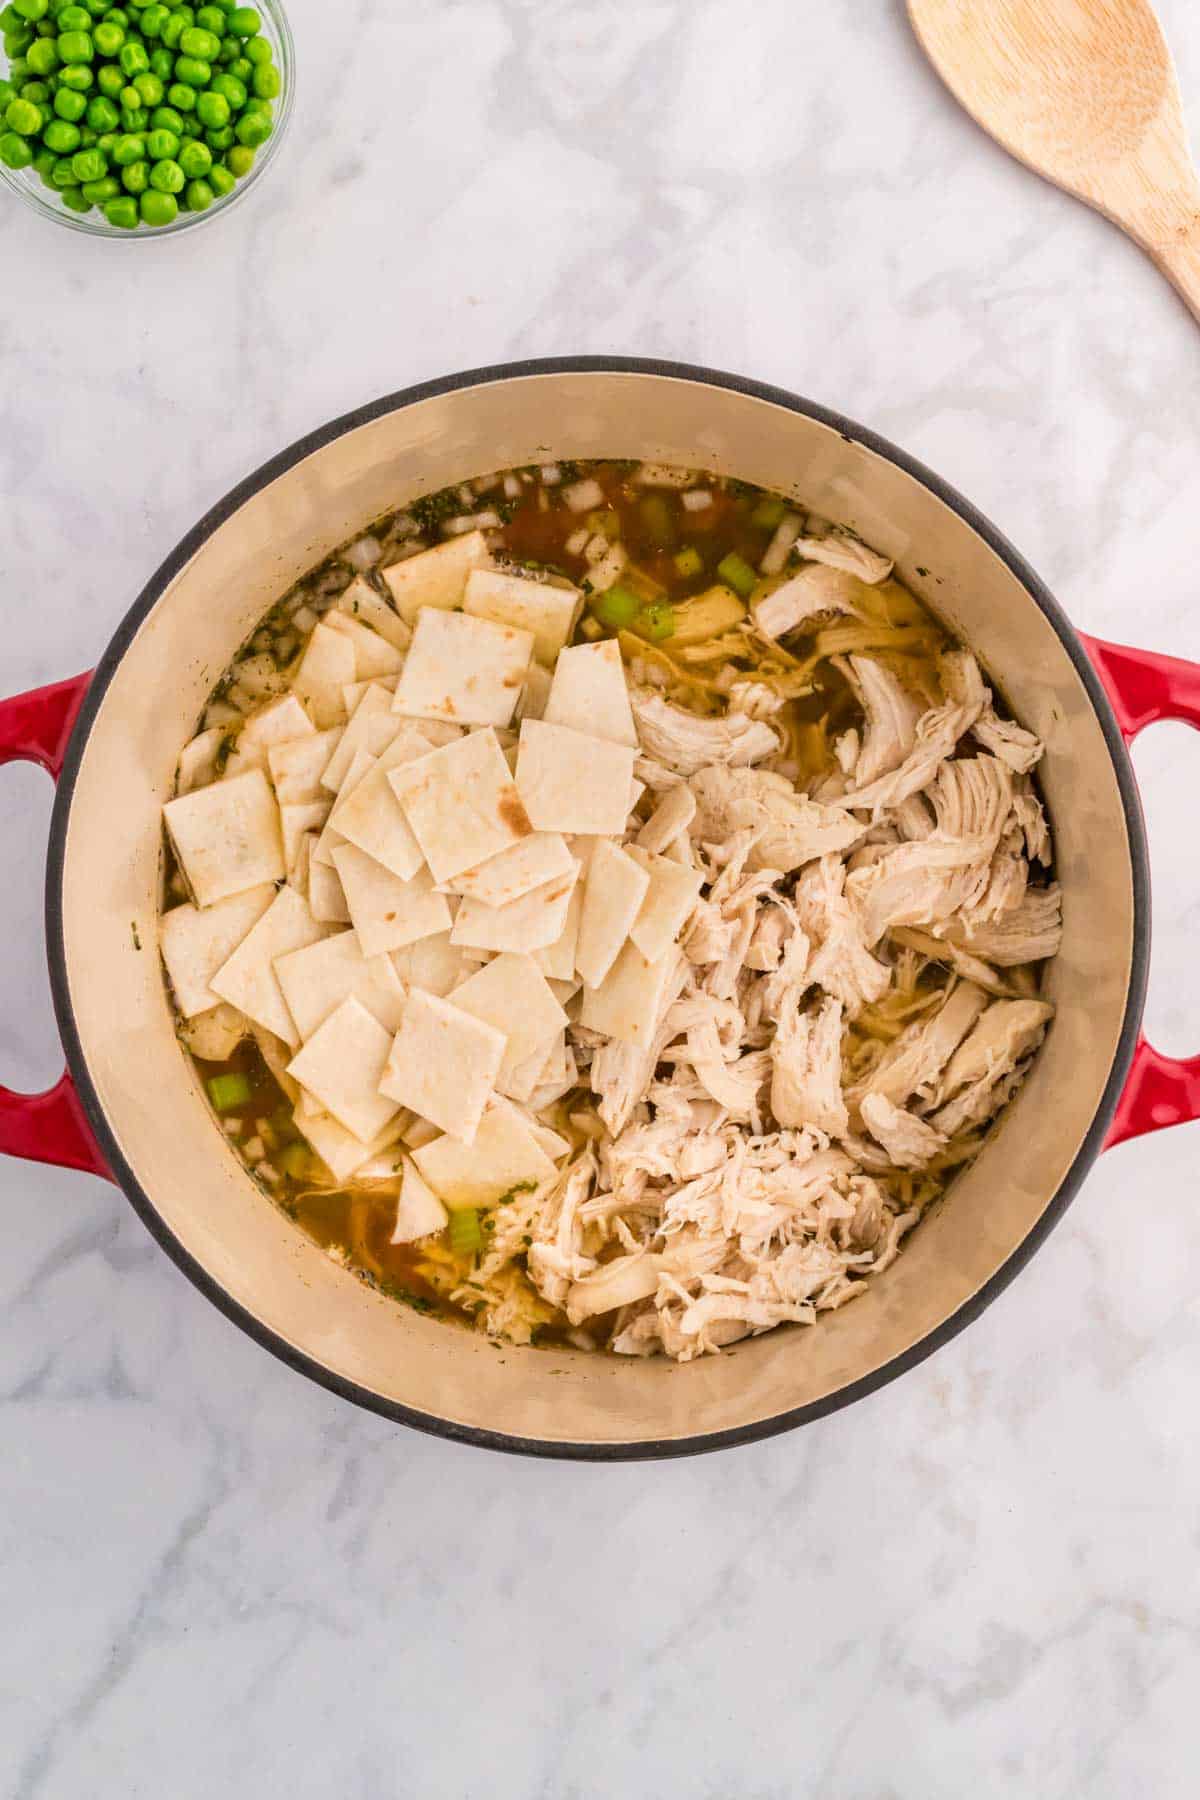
366	1397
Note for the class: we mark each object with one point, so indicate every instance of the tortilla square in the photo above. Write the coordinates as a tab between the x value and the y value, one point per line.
341	1065
296	822
371	817
627	1003
375	702
316	980
283	721
248	979
466	670
504	1155
326	895
361	765
511	993
535	693
373	655
419	1212
386	912
342	1153
327	664
530	923
572	782
589	693
198	760
548	613
197	941
670	901
296	767
227	836
437	577
462	804
360	601
530	864
433	963
557	960
614	890
443	1064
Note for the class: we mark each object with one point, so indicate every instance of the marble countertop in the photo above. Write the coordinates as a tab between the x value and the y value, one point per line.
217	1578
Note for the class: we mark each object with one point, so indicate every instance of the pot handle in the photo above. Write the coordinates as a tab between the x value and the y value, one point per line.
49	1127
1143	689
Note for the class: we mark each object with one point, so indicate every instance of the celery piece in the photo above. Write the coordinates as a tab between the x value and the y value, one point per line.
737	573
228	1091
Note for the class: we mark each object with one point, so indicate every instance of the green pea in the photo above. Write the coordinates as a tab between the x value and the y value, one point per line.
43	57
165	118
61	136
186	12
36	92
89	165
258	50
102	115
108	38
43	162
195	159
244	21
135	118
241	68
108	141
109	80
122	213
97	192
88	139
221	180
230	89
32	10
69	104
129	148
149	87
195	73
129	99
134	60
199	195
75	47
220	140
199	43
135	179
116	15
211	18
266	82
158	208
64	174
212	110
240	160
153	20
192	127
162	144
162	64
166	176
23	116
182	97
15	150
74	18
74	198
252	129
230	50
173	28
18	68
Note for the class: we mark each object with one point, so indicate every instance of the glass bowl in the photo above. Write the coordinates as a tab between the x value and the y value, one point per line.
27	184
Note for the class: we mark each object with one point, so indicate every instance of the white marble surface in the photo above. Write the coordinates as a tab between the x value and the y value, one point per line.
217	1579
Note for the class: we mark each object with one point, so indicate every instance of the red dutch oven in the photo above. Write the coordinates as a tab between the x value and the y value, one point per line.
129	1106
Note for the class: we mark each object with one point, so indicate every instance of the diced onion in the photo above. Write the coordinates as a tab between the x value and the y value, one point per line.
464	522
696	499
364	554
582	496
776	553
577	543
512	488
602	574
551	474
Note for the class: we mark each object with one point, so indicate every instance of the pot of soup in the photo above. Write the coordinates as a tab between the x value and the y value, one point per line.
598	909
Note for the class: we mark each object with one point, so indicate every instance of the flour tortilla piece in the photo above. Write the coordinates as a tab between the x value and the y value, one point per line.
443	1064
341	1065
535	693
462	804
386	912
197	941
511	993
198	760
248	980
370	816
628	1001
227	837
375	702
548	613
531	923
282	721
504	1155
360	766
296	767
433	963
437	577
572	782
614	890
589	693
326	895
557	960
673	814
669	903
353	691
360	601
373	655
530	864
297	822
327	664
464	670
419	1212
316	980
342	1153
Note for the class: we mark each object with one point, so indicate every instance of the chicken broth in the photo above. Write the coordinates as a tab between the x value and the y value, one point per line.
809	943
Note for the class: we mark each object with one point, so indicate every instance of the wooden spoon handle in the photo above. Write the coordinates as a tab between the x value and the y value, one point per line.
1179	260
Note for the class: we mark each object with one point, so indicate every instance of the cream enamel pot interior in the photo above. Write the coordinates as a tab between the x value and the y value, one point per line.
130	1100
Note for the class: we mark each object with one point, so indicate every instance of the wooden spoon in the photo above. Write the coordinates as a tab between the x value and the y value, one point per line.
1085	93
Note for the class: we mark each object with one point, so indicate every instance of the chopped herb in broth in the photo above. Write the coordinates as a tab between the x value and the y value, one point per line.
807	878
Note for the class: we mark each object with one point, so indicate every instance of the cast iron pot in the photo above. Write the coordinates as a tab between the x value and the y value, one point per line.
129	1106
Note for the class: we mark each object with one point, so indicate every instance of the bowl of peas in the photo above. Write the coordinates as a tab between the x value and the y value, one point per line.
140	119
